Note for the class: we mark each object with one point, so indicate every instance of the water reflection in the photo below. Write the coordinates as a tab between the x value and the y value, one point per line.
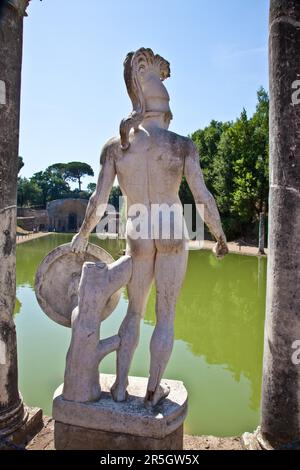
218	337
220	314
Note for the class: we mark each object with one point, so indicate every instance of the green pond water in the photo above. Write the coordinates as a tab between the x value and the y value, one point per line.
218	337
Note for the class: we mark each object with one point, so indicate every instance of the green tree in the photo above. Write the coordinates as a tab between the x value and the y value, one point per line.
234	161
91	187
29	193
241	169
260	123
52	185
75	171
207	141
20	164
58	169
114	196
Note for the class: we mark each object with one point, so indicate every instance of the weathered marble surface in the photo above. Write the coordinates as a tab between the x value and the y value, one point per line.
130	418
57	281
281	375
98	284
12	413
82	290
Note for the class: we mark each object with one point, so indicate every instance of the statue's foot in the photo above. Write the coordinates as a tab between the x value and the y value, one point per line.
153	398
119	393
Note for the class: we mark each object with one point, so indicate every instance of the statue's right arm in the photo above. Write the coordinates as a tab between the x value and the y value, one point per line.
97	203
202	196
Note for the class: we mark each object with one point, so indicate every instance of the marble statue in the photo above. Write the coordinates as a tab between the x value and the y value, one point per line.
149	162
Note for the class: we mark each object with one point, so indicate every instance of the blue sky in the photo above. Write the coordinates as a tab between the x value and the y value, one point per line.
73	94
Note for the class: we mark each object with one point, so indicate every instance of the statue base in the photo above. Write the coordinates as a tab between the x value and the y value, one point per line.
107	425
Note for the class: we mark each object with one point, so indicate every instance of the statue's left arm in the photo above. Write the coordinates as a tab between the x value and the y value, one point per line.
195	180
98	201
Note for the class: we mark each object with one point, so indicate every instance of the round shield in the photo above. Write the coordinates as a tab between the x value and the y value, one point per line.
57	280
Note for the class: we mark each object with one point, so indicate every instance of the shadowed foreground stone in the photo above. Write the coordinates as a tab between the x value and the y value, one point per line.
23	435
45	440
69	437
107	425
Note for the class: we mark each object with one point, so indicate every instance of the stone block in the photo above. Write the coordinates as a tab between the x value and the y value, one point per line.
107	425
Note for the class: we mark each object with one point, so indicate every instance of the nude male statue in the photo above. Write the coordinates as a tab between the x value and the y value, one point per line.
149	162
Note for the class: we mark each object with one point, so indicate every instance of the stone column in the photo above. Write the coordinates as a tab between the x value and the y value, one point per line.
12	413
281	376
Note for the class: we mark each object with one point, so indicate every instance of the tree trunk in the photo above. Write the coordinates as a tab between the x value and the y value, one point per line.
281	376
11	30
86	350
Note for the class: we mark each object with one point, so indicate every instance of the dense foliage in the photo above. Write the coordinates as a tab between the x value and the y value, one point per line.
234	159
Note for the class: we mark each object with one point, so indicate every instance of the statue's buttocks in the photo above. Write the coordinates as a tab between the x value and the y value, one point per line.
149	174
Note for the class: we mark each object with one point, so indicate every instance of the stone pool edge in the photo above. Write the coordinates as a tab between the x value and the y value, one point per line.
234	247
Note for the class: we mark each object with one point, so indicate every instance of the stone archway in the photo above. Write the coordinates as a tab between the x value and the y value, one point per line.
72	222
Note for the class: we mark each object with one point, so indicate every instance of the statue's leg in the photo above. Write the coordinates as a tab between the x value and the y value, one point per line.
138	291
169	273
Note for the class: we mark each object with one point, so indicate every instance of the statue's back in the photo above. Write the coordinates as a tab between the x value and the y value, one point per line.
150	171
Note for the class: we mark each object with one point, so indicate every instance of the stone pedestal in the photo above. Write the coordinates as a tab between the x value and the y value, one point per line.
107	425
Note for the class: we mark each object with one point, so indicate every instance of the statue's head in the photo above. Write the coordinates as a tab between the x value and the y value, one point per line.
144	73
